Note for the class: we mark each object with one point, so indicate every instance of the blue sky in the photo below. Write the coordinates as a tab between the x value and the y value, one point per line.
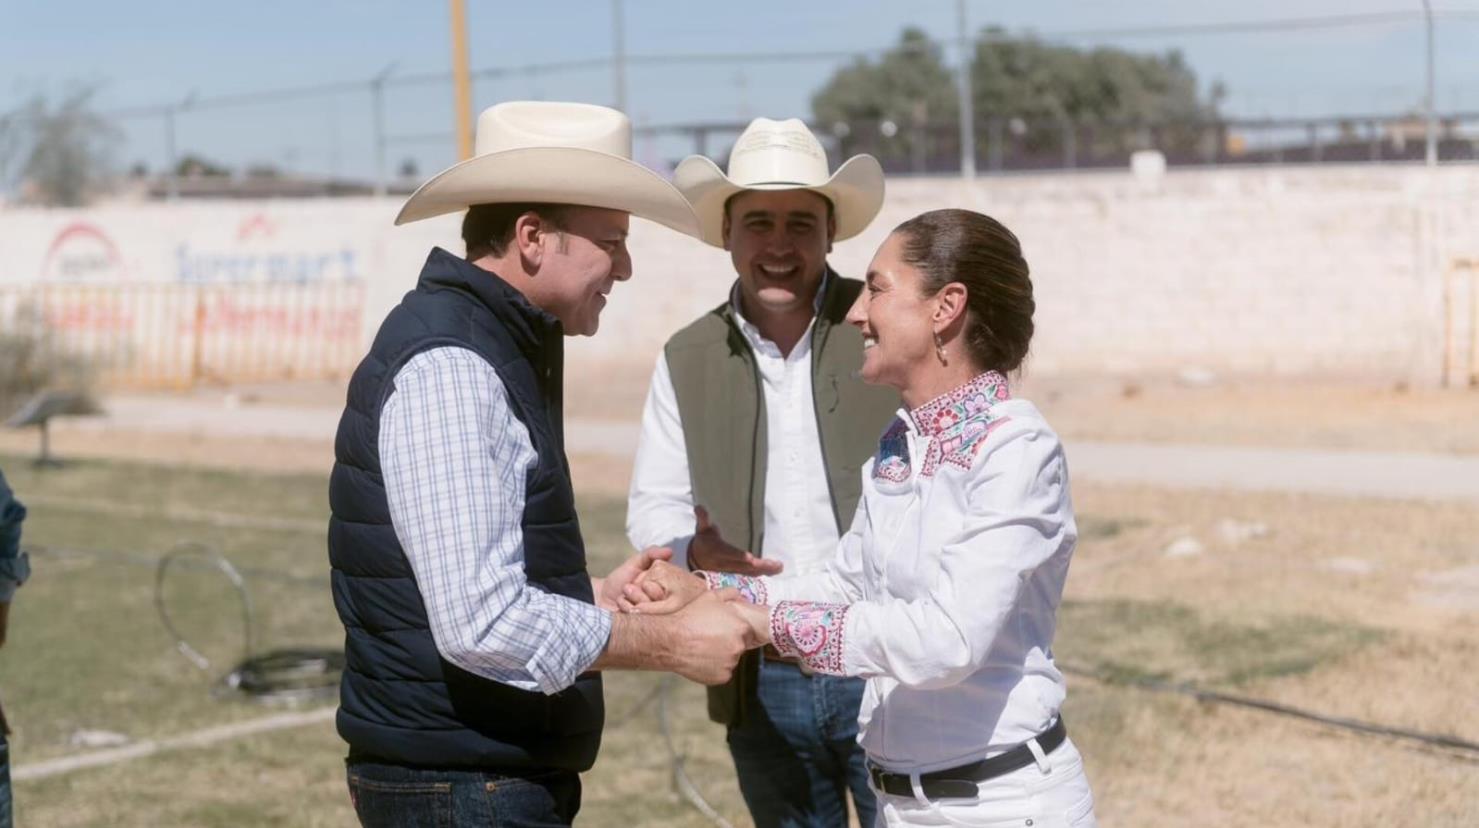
149	52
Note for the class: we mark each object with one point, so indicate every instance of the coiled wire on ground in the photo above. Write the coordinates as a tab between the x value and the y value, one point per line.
296	676
292	676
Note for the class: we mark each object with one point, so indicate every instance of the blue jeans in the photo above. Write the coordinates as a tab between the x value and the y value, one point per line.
397	797
797	755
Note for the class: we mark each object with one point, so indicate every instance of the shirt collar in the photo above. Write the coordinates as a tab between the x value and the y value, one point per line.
531	327
965	401
748	328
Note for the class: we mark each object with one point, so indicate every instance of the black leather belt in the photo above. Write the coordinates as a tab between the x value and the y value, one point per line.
962	781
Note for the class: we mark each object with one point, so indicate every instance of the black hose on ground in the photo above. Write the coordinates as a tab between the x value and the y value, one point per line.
1439	740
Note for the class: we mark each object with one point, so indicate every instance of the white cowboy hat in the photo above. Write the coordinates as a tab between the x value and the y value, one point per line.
781	155
556	153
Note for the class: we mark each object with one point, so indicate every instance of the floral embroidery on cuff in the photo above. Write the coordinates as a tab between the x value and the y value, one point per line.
810	631
750	588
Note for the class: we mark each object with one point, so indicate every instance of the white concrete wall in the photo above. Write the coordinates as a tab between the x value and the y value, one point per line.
1330	272
1301	272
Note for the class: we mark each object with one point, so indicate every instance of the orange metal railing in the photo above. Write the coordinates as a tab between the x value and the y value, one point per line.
1460	282
173	335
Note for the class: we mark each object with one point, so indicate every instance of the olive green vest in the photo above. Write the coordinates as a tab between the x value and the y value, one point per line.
723	412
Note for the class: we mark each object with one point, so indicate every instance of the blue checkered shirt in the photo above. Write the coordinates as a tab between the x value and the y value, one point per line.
455	460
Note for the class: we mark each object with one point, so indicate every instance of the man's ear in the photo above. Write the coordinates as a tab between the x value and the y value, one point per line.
529	232
950	305
724	227
831	228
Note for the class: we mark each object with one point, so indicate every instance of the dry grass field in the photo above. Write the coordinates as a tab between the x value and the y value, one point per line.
1366	609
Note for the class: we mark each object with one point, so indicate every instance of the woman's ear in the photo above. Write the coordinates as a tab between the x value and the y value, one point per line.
950	305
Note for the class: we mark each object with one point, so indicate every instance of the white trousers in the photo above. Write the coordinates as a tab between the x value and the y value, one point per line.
1053	793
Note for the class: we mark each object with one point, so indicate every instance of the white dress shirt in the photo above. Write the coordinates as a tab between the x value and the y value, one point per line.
455	461
944	593
800	527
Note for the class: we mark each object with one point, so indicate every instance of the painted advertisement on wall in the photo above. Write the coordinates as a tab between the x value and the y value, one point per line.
174	294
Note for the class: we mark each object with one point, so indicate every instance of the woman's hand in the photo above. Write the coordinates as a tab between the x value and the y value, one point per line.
756	615
662	588
608	590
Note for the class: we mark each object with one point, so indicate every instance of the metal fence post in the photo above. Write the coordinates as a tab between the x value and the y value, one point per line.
996	131
197	347
1070	144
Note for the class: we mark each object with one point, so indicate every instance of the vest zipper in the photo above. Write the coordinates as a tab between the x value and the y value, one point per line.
819	341
757	533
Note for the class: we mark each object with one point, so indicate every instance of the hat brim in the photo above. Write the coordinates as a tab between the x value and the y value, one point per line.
855	190
554	175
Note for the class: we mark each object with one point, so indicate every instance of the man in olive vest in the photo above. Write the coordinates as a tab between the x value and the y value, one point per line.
754	431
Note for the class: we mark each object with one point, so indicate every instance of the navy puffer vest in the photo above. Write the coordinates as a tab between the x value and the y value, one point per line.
400	701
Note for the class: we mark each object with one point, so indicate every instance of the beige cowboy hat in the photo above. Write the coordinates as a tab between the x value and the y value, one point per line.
556	153
781	155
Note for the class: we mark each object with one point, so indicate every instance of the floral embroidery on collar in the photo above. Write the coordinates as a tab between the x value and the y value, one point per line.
891	464
958	422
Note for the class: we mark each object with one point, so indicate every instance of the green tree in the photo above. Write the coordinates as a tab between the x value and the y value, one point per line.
197	166
1116	94
1110	97
909	87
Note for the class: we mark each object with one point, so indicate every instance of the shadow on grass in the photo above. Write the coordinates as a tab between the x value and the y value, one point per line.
1131	640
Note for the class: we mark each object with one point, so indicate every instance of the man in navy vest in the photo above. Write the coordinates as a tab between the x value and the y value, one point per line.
474	636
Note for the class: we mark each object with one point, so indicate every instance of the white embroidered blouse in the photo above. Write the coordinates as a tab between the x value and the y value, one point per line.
945	591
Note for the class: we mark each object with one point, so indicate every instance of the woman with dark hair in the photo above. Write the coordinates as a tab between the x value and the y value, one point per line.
945	592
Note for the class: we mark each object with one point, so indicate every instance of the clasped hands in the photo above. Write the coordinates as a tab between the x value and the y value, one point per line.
648	584
664	589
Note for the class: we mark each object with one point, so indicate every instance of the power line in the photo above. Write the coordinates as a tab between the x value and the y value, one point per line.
809	56
1334	21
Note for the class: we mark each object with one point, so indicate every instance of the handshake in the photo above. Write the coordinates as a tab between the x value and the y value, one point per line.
669	620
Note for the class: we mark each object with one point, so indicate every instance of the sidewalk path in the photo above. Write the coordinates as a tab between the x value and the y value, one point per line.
1403	475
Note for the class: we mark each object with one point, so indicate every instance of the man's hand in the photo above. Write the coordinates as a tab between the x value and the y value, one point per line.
609	590
663	588
711	639
710	552
702	642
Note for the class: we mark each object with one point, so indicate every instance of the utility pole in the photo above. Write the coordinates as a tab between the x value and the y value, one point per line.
377	101
1432	125
171	160
619	55
172	174
461	84
967	105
